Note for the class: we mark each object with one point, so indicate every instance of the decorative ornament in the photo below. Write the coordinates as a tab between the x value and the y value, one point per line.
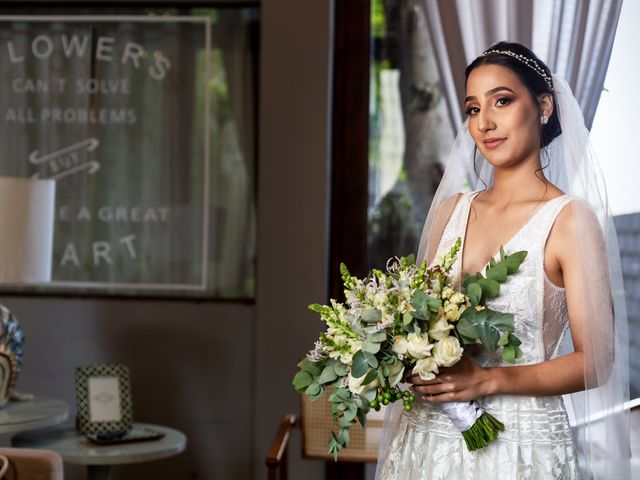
544	119
529	62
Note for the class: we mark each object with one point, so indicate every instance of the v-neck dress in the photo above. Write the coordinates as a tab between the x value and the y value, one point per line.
537	442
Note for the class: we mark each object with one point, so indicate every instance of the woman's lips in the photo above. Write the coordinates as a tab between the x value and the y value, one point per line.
494	143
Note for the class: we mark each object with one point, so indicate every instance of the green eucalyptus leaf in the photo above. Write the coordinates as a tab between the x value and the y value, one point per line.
407	318
509	353
362	418
490	288
371	359
474	292
302	380
420	302
341	369
372	315
313	389
371	376
350	413
377	337
359	364
487	325
434	304
314	368
514	261
467	325
504	339
498	273
370	347
328	375
370	394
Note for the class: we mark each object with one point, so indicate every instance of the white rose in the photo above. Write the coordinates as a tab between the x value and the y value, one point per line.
419	345
426	368
396	370
446	292
447	352
439	328
458	298
356	387
400	345
451	311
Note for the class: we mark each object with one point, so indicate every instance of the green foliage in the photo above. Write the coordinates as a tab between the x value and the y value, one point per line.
359	365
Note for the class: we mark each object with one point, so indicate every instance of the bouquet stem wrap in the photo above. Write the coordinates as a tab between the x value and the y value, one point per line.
478	427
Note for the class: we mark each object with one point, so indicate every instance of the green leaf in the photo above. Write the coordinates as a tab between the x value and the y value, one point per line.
434	304
350	413
372	315
345	437
344	272
313	389
514	261
492	262
504	339
487	325
370	394
474	292
359	364
339	394
502	254
377	337
302	380
420	302
498	273
371	360
490	288
327	375
370	347
362	418
467	325
371	376
509	354
341	369
407	318
314	368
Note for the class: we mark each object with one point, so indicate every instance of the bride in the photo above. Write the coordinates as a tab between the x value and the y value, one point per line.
524	151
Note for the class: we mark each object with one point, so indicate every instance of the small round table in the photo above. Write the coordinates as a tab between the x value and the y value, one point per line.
74	448
19	416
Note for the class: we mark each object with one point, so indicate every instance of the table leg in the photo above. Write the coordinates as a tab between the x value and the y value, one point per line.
98	472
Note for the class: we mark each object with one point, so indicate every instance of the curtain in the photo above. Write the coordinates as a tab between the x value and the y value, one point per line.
573	37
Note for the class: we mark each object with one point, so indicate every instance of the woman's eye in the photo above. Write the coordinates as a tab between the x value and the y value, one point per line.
503	101
472	110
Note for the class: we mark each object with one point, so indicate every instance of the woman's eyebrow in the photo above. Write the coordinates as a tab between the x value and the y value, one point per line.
489	92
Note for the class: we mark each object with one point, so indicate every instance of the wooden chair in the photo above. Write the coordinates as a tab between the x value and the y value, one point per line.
31	464
316	426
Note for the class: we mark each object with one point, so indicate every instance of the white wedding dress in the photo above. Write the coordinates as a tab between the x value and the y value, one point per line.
537	442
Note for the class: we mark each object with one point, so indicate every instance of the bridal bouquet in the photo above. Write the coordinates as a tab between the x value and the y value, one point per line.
407	319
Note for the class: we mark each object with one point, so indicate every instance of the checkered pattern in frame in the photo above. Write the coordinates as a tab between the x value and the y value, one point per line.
84	423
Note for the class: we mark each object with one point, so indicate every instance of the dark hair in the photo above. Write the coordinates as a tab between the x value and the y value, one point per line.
533	81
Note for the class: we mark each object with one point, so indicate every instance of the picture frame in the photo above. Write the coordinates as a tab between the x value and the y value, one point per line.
103	399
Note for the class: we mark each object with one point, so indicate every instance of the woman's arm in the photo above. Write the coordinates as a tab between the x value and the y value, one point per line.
566	374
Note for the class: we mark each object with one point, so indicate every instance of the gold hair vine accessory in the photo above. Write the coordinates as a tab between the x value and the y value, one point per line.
530	62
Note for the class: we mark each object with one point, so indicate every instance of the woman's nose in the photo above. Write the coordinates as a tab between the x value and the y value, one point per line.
485	122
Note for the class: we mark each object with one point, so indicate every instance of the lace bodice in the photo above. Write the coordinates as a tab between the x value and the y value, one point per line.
539	306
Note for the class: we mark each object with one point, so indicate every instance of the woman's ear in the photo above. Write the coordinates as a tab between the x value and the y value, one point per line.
545	101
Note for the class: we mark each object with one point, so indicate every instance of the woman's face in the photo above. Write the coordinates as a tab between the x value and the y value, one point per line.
504	120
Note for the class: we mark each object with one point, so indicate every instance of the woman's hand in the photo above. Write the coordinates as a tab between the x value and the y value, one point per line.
462	382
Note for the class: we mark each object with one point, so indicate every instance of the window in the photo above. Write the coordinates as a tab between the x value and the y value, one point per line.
147	121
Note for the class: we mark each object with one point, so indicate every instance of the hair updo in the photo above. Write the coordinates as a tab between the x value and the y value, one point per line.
533	81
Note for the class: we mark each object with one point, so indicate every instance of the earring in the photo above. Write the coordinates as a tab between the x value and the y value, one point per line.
544	119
